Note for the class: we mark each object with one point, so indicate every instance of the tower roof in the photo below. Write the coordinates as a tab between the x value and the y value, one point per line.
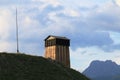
55	37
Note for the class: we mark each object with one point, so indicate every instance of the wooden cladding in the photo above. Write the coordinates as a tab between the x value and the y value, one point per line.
59	53
57	48
52	42
62	55
50	52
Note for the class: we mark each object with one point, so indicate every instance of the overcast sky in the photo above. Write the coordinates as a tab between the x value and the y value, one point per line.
93	26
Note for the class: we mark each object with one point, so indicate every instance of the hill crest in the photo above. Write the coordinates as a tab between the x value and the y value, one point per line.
27	67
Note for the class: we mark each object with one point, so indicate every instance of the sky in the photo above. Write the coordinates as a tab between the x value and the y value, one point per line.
93	26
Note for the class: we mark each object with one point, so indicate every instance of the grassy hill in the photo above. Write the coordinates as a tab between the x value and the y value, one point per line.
26	67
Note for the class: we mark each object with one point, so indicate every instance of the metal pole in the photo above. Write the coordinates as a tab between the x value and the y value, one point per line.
17	45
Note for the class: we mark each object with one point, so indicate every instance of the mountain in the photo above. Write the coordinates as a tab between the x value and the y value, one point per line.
27	67
103	70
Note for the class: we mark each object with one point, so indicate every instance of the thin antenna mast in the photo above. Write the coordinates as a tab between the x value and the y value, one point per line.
17	45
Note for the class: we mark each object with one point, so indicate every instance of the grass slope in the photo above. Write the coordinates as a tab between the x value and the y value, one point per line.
26	67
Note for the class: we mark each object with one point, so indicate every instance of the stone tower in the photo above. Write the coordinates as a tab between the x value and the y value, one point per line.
57	48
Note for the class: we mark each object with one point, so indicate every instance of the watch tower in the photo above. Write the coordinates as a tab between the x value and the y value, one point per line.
57	48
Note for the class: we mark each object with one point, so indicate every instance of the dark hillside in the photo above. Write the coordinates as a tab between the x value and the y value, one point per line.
26	67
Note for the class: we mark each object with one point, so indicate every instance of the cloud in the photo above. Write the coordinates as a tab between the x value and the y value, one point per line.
117	58
117	2
111	48
91	39
54	3
94	28
13	2
5	22
7	47
106	18
7	29
115	37
85	27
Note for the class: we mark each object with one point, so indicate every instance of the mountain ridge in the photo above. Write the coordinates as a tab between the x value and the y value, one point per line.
103	70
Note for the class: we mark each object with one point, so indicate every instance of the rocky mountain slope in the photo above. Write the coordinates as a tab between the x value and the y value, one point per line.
103	70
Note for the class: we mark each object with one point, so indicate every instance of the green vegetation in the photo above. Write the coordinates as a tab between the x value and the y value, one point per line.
26	67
